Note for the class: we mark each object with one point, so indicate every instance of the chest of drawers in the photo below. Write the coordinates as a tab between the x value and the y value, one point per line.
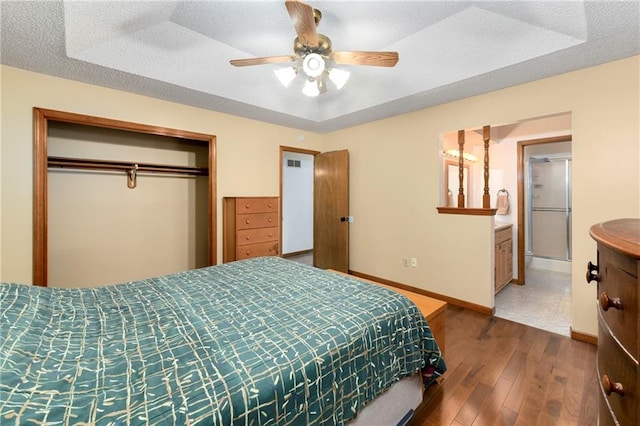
250	227
616	273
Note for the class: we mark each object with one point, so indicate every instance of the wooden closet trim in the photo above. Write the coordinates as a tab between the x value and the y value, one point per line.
41	119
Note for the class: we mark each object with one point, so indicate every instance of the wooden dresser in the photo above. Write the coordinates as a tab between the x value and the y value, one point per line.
616	273
503	256
250	227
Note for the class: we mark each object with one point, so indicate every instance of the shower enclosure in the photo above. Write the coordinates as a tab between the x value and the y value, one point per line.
549	215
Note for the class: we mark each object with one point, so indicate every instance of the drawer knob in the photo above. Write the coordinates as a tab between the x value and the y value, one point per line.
270	234
606	302
610	387
248	253
269	205
592	272
247	221
270	220
248	206
247	238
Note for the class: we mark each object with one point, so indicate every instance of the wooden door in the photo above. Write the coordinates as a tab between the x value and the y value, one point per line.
331	208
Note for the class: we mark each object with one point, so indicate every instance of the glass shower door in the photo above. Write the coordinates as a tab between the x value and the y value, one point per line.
550	204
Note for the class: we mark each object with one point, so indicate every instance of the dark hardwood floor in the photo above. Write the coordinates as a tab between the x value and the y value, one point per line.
505	373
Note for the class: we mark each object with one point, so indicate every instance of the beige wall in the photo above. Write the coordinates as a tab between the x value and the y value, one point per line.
394	182
394	171
248	150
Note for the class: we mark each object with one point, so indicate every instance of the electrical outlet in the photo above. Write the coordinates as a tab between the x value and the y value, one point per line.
414	262
350	219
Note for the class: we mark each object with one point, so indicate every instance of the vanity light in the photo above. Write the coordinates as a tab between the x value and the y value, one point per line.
454	153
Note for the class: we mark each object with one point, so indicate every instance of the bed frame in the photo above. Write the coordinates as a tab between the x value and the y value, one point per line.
434	312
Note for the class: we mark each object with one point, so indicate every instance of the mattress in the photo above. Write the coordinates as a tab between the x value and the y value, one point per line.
260	341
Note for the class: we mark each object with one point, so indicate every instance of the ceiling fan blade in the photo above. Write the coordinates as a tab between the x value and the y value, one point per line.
304	22
377	59
261	61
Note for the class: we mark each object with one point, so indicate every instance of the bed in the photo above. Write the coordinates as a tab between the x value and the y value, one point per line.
259	341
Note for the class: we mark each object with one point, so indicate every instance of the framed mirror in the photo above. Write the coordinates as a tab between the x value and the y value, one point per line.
452	183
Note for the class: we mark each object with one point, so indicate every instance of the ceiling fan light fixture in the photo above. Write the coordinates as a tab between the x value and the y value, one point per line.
339	77
286	75
313	53
311	88
313	65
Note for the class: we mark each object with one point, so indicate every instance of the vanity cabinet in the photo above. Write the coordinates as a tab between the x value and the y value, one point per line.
616	274
250	227
503	256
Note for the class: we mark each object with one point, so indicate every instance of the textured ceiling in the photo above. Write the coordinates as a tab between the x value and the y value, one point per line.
180	50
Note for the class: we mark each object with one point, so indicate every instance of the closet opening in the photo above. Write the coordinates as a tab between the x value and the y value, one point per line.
117	201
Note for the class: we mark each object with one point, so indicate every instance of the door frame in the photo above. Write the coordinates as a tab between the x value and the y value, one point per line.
41	118
520	279
284	149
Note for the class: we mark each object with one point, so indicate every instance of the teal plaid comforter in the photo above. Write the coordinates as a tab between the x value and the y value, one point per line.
262	341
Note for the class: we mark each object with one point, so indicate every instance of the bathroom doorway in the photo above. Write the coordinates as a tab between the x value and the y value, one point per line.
544	238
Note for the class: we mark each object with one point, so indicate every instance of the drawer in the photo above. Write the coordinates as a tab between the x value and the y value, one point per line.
605	415
256	205
258	235
257	250
616	283
503	235
257	220
620	368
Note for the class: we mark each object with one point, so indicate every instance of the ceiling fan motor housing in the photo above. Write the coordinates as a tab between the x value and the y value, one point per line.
323	48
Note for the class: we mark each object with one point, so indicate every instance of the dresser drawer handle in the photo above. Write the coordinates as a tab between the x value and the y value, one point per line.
270	220
606	302
247	252
247	238
269	205
592	272
609	387
247	221
270	234
248	206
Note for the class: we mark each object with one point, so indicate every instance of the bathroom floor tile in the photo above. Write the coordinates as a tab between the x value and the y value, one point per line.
543	302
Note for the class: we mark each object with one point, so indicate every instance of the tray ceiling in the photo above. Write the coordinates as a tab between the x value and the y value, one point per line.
180	50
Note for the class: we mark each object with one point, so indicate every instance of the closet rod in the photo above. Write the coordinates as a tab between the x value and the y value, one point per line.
89	164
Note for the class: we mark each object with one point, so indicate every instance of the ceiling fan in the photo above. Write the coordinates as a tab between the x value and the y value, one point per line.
313	53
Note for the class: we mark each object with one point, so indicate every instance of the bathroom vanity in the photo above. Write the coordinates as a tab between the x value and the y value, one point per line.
503	255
